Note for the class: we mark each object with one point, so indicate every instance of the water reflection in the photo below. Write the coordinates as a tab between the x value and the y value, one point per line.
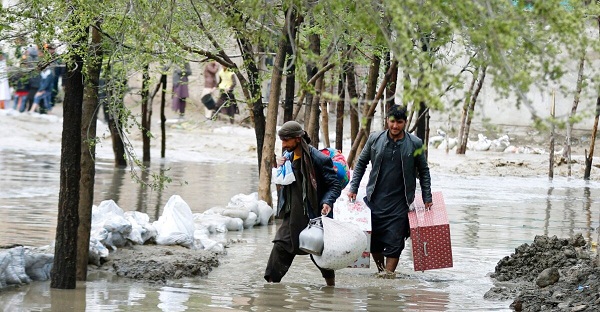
489	217
548	210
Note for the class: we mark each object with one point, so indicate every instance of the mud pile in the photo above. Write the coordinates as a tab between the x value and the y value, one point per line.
551	274
156	263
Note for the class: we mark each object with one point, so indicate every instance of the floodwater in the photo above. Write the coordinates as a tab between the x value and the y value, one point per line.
489	218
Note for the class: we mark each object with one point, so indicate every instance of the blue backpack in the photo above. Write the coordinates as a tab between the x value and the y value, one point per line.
340	165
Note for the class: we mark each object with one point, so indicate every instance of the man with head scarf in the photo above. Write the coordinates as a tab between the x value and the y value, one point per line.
396	158
312	194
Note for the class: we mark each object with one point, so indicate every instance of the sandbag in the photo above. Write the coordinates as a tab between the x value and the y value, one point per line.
38	265
176	225
214	223
236	212
215	210
141	228
343	243
110	217
14	261
97	251
251	221
206	243
264	212
249	202
235	224
5	260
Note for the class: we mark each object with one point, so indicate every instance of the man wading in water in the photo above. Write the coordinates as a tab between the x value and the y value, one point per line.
312	194
396	157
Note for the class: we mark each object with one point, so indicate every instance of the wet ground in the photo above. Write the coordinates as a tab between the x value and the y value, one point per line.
489	218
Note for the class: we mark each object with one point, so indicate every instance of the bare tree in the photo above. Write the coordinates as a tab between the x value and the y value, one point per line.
63	274
88	153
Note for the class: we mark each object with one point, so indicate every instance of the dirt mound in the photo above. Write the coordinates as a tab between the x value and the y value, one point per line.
156	263
551	274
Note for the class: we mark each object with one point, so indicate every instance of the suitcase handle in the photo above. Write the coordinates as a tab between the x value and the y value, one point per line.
425	248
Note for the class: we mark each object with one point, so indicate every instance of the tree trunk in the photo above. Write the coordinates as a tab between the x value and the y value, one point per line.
115	87
315	111
589	157
324	119
474	101
256	109
267	160
390	89
88	154
567	149
290	74
146	115
64	269
369	96
314	45
163	118
552	137
422	121
354	100
339	112
462	138
312	124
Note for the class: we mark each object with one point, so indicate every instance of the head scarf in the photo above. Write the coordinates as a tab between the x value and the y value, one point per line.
292	129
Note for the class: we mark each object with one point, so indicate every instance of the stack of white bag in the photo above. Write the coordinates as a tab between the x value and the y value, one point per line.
343	243
175	226
242	212
112	228
21	265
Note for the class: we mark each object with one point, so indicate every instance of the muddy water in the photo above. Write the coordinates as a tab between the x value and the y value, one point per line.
489	217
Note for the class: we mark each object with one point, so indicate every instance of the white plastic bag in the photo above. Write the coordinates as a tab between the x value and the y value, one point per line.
284	174
343	243
176	225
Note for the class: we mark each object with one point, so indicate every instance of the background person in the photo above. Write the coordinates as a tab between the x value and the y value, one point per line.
41	99
5	93
396	157
20	83
210	85
58	72
312	194
180	88
227	104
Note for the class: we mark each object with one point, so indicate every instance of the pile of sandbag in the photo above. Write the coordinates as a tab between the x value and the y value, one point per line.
21	265
112	228
242	212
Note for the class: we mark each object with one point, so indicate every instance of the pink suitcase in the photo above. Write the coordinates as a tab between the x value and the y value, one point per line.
430	235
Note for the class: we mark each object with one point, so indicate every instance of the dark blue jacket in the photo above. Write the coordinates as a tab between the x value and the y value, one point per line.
47	82
328	185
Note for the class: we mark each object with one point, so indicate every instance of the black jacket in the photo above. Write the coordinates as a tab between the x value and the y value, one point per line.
328	185
413	162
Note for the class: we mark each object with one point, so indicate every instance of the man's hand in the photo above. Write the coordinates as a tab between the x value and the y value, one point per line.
326	209
351	197
280	161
